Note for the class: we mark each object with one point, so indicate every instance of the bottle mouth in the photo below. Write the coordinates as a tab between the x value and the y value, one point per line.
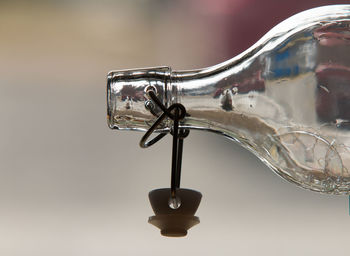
128	105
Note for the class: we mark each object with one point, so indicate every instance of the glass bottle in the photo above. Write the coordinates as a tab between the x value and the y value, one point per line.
286	99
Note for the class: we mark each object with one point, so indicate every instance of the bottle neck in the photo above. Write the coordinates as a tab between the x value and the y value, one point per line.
221	98
215	98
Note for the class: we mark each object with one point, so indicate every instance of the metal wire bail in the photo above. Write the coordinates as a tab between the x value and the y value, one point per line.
176	112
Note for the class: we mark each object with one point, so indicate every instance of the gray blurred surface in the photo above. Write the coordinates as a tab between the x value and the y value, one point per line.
71	186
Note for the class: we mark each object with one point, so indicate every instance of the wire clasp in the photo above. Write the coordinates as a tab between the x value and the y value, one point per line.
175	112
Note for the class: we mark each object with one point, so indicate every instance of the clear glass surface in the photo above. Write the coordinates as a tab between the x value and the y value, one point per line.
286	99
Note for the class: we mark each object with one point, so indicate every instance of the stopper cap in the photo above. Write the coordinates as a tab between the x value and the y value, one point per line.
174	222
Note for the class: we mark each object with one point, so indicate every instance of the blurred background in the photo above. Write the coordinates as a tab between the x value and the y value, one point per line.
71	186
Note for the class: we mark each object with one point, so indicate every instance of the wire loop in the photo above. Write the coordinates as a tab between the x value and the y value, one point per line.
175	112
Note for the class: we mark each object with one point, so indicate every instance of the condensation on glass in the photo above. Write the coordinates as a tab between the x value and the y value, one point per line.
286	99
